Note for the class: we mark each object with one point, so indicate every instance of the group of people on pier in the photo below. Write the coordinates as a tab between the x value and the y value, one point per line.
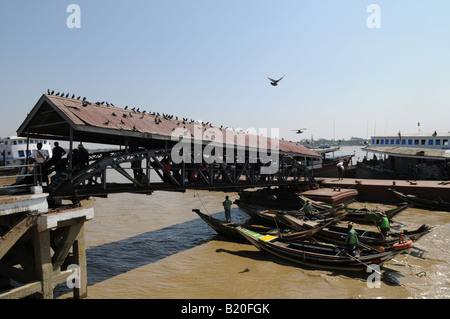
46	165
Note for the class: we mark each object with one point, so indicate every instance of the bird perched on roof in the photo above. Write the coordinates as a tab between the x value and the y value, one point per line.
275	82
48	91
73	96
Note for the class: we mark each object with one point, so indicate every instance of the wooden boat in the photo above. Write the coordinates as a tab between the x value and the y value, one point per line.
365	215
338	234
423	202
360	215
320	255
229	229
269	216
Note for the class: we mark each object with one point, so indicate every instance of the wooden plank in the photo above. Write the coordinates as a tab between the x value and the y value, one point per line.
22	291
14	234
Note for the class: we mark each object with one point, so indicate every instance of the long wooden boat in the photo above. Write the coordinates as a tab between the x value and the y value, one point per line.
360	215
338	234
229	229
423	202
319	255
365	215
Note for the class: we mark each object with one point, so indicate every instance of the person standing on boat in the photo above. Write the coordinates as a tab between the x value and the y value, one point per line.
384	227
352	240
341	168
307	208
227	206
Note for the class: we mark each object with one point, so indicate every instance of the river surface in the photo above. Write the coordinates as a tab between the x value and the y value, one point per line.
155	247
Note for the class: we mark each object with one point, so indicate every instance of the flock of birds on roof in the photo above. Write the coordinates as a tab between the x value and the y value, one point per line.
157	115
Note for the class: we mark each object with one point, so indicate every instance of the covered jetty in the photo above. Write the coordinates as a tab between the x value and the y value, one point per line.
209	157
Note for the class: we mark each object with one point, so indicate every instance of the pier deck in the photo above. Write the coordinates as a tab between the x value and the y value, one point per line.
380	190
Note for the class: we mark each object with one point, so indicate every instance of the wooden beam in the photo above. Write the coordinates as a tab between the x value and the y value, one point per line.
22	291
14	234
67	241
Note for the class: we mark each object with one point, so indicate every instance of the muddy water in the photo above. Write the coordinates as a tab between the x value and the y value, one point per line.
141	246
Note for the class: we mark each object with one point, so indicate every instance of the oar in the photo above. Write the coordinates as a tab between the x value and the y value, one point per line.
363	263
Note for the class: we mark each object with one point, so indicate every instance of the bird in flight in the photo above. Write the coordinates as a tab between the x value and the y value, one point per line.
299	131
275	82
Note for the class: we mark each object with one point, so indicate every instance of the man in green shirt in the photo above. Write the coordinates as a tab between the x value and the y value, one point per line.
384	227
227	206
352	239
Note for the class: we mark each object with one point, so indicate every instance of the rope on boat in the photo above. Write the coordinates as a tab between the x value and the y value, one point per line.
195	192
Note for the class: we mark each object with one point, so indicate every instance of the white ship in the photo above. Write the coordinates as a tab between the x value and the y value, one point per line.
412	156
13	150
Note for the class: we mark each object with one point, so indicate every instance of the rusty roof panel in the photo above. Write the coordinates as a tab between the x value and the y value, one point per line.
118	119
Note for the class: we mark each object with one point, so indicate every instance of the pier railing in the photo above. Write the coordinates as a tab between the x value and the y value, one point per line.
16	177
146	171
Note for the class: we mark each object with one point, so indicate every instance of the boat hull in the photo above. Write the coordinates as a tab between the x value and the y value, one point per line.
331	257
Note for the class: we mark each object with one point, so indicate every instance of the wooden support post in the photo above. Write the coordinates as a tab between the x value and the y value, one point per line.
79	254
44	265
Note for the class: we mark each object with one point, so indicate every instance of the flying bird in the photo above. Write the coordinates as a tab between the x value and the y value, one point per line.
275	82
299	131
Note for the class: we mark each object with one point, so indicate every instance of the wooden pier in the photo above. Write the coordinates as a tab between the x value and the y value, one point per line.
378	190
39	248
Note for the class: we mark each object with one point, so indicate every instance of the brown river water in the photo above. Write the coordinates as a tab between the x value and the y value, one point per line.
155	247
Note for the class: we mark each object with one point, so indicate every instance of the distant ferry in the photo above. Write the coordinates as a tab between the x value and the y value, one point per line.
412	156
13	149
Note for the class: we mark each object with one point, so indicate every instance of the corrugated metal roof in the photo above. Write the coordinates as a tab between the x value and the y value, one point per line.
115	121
410	152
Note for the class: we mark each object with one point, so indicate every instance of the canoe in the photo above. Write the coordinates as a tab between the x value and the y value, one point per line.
369	216
319	255
271	216
361	215
338	234
423	202
229	229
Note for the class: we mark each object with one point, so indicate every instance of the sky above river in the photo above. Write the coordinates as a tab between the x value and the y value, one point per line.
351	68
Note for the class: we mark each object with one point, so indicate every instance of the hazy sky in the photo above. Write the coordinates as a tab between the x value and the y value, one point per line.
210	60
